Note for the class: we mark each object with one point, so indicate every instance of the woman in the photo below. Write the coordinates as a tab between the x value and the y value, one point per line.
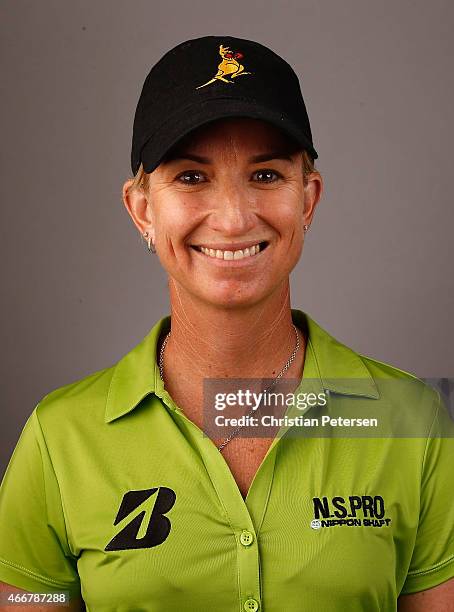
113	491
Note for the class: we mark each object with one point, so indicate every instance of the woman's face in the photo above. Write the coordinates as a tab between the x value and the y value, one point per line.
230	185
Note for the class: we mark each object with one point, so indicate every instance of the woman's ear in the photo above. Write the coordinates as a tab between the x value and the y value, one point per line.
139	208
312	194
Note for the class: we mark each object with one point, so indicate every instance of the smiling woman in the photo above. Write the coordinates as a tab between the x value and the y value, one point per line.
226	210
122	492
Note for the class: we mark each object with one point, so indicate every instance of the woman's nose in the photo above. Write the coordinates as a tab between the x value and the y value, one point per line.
233	213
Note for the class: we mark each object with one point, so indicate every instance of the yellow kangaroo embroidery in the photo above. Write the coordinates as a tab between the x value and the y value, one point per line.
229	67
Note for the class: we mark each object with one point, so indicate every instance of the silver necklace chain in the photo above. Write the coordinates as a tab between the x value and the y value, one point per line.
273	384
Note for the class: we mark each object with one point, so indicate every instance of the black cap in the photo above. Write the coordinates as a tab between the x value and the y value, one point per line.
209	78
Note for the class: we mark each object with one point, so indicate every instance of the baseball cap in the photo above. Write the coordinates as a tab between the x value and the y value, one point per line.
210	78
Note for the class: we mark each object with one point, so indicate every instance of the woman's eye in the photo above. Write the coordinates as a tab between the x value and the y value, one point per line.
191	178
266	176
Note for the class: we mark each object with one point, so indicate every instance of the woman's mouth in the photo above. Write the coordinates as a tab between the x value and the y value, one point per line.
249	252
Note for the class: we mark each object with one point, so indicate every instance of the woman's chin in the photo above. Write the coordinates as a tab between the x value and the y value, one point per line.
231	297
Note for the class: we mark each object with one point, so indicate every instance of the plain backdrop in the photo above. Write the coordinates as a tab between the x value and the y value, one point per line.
78	288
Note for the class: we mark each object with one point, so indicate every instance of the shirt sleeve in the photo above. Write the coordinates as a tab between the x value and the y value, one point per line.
34	550
433	556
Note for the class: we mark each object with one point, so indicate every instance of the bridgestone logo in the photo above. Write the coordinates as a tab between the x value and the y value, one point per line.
147	511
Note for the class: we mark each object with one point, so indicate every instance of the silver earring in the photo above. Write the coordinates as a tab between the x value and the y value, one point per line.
150	244
305	228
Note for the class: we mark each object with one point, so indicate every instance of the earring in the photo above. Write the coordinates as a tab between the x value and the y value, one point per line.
150	244
305	228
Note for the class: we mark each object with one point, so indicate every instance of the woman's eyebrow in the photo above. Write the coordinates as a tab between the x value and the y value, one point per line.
255	159
191	156
269	156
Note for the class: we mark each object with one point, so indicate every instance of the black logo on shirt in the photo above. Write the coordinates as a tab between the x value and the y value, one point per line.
353	511
158	525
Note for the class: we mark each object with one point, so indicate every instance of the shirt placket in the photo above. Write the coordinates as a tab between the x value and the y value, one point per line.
245	516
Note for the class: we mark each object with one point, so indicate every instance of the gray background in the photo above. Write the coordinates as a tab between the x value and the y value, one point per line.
79	290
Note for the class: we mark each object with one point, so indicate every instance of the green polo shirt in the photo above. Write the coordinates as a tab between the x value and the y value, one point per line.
112	492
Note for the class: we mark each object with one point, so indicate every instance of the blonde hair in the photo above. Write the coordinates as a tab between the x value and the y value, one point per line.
141	179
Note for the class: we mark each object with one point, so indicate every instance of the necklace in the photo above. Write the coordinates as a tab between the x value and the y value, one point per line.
273	384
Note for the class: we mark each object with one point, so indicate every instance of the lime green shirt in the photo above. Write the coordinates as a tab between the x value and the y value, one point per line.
112	492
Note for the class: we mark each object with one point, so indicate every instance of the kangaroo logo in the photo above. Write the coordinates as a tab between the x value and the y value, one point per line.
229	68
152	533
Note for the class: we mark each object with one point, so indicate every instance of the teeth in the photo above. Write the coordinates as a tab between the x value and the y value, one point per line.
231	254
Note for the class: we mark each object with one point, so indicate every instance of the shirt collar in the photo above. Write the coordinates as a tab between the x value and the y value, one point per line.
332	364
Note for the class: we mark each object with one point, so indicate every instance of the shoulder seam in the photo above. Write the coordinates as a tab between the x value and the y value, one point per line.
56	480
437	410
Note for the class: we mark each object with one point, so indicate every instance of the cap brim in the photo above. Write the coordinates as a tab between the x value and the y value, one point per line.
195	116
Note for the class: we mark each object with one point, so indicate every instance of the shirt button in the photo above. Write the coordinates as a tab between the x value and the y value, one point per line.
246	538
251	605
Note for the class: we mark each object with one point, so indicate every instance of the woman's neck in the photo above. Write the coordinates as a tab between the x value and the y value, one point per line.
210	342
